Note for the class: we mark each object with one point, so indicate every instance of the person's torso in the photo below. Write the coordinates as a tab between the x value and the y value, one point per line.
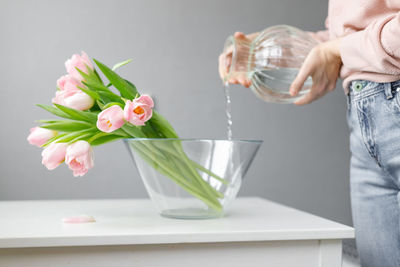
347	16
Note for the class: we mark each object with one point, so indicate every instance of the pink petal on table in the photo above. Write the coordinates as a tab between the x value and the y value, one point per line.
79	219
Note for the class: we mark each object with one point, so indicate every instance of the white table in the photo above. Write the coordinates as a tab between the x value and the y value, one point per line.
129	232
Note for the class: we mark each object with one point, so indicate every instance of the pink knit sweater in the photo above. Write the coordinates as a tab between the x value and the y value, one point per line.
370	48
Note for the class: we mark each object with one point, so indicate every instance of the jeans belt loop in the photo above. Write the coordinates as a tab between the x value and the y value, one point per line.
389	91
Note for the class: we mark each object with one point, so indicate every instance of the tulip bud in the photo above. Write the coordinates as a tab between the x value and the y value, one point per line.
39	136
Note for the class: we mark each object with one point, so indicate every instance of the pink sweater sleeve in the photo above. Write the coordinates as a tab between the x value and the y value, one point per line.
321	36
374	49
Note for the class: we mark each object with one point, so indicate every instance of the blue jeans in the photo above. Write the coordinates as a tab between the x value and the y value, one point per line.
374	120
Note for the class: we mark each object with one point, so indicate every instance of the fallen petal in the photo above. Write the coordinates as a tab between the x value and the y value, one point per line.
79	219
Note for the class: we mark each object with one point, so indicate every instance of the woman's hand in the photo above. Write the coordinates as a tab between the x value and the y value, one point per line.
225	61
323	65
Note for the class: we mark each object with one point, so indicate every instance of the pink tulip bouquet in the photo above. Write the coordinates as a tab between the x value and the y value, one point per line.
94	113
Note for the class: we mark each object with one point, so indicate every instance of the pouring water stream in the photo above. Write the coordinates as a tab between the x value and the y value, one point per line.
228	110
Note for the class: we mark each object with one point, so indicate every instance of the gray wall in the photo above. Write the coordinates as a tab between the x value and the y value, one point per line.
174	45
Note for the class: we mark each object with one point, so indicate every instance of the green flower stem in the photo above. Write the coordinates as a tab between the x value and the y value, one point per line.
172	171
136	133
203	183
203	169
153	151
179	180
179	154
197	165
132	131
81	137
153	160
68	137
180	165
200	181
94	137
53	139
188	171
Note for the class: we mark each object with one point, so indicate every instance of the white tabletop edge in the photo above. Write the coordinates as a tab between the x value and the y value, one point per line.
328	230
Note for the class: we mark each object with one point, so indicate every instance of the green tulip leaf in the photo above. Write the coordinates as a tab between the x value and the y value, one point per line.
162	125
90	75
67	126
96	87
48	121
55	111
110	97
78	114
104	93
100	104
134	88
113	104
105	139
120	64
75	136
51	140
133	131
121	133
126	89
90	93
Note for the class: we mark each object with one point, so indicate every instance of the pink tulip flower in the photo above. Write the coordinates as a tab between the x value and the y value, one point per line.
79	157
75	99
39	136
110	119
82	62
139	110
68	83
54	155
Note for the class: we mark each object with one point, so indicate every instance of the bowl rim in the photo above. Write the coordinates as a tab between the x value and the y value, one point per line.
195	139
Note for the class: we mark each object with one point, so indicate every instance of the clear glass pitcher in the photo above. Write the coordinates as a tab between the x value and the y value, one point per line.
271	61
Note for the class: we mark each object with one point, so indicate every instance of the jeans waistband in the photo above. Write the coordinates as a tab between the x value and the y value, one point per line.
362	88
